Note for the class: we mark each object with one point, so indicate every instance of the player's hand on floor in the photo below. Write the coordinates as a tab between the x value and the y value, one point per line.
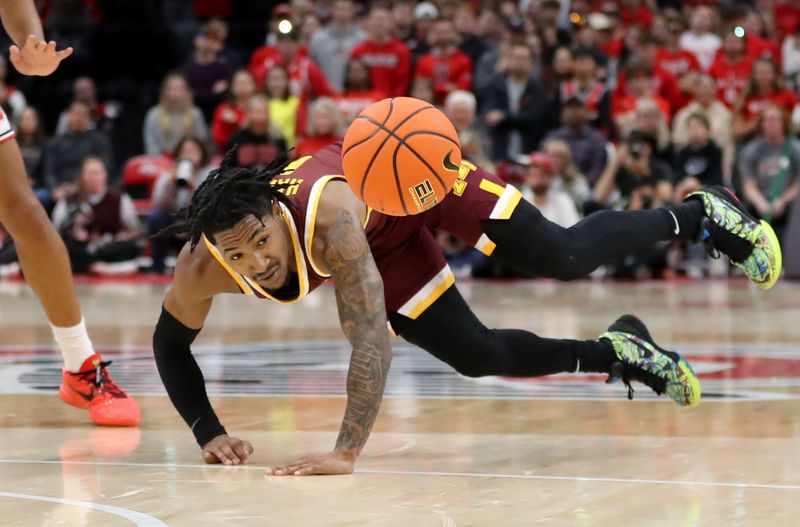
227	450
37	57
336	462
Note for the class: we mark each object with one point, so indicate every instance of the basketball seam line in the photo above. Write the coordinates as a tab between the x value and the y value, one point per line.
373	134
397	179
391	134
403	143
377	151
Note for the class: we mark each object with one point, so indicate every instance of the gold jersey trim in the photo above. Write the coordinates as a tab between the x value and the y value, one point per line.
428	294
311	219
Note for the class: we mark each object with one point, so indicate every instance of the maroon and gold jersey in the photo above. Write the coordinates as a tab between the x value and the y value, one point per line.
405	250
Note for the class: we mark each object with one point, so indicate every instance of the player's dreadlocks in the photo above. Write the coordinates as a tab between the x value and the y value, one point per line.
230	194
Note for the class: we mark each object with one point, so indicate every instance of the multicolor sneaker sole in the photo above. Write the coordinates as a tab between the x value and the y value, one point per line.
663	371
764	262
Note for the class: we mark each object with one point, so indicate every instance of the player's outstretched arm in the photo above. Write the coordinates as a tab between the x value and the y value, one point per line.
31	54
362	313
185	309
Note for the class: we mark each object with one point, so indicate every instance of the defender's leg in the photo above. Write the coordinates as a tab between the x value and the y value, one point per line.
44	261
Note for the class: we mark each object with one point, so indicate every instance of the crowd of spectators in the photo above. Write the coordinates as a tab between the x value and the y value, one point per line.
583	104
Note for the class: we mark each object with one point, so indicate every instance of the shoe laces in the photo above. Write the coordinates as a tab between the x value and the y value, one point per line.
628	373
100	378
718	240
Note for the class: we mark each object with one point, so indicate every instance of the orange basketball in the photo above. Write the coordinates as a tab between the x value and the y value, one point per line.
401	156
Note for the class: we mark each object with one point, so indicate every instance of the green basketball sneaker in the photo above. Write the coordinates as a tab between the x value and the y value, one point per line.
750	244
640	359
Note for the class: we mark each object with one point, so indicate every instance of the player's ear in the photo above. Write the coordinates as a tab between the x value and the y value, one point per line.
277	212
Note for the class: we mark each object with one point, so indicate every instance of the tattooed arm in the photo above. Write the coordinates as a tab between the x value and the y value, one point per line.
343	250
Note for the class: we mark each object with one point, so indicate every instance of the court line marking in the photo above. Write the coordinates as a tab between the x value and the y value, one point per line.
738	485
137	518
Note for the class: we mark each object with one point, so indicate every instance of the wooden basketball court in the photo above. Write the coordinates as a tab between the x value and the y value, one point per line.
447	450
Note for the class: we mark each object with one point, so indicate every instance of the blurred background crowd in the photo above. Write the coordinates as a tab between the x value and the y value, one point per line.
583	104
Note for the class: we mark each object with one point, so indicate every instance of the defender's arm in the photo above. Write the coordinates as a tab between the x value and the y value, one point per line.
31	55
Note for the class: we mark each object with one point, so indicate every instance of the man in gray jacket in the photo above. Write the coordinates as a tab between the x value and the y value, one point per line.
331	45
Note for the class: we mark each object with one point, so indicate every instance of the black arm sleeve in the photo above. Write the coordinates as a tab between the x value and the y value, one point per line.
182	377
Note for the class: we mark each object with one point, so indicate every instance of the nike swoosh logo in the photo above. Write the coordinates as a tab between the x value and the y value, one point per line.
677	229
448	163
87	396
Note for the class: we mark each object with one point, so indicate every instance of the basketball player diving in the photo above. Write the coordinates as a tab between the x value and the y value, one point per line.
42	255
278	233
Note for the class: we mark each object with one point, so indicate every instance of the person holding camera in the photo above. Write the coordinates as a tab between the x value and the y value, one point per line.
636	180
640	180
173	192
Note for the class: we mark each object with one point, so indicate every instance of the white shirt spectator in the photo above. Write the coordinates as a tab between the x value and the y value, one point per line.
556	206
704	47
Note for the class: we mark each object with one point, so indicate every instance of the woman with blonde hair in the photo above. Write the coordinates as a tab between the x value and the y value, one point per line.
568	178
174	117
326	125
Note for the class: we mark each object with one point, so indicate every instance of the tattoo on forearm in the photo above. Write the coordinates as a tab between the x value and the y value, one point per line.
359	297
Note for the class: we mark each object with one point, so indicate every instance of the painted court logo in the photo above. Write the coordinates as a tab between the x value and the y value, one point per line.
423	195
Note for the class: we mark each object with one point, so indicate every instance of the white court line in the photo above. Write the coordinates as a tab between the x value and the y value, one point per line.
138	519
739	485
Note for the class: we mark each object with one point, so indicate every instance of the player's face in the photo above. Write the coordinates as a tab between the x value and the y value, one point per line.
260	252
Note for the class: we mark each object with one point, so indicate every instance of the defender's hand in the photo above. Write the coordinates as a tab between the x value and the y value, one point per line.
37	57
336	462
227	450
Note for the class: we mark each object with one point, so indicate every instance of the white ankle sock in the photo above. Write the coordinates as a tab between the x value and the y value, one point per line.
75	345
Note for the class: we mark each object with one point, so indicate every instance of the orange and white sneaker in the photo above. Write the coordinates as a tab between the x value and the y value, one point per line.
93	388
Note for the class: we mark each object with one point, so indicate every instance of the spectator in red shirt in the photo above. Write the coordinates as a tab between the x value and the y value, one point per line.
680	63
787	17
759	47
671	57
285	49
634	12
641	85
731	68
606	36
358	90
229	115
325	126
446	65
388	58
306	78
664	83
764	89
